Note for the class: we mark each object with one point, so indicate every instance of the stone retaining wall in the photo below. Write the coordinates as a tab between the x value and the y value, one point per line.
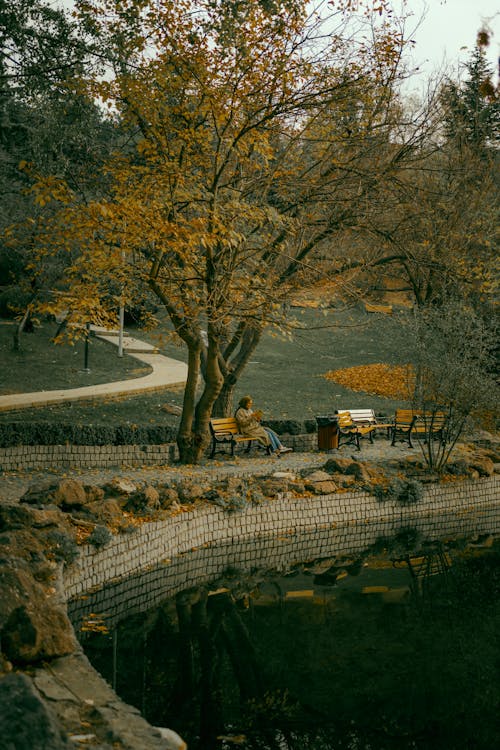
302	528
38	457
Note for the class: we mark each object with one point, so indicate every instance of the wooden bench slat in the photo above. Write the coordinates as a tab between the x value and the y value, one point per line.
418	422
225	432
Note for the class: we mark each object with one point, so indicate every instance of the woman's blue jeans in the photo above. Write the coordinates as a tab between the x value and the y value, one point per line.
275	441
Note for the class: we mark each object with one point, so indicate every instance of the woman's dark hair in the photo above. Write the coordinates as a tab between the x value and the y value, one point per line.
243	402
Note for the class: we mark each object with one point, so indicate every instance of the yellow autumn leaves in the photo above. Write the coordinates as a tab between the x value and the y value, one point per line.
390	381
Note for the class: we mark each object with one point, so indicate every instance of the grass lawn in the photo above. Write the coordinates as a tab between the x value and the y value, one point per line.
285	376
41	365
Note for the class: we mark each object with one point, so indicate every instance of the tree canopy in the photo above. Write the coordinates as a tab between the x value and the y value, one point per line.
261	148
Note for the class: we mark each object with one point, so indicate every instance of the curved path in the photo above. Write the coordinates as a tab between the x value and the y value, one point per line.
165	372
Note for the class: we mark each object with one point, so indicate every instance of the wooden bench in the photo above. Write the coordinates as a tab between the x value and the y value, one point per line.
367	418
350	432
225	432
417	422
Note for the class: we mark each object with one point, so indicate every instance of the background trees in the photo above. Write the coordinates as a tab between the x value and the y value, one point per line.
248	150
255	140
45	128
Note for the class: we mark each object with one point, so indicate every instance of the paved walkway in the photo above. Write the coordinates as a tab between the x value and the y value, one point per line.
165	372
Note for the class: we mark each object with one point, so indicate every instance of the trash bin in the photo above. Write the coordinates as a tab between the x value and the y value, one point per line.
328	433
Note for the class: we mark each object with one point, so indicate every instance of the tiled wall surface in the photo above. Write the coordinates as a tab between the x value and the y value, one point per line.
25	457
270	536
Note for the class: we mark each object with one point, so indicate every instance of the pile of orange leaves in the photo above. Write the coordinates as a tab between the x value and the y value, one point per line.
390	381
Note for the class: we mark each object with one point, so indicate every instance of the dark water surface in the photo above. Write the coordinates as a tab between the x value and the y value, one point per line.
395	646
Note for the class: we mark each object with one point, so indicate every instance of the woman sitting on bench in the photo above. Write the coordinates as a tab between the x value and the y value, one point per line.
250	426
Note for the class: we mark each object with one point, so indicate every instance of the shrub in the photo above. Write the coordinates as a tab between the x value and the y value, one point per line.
99	537
62	547
404	491
48	433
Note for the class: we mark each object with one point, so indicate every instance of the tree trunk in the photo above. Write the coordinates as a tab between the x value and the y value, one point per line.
193	436
20	328
248	338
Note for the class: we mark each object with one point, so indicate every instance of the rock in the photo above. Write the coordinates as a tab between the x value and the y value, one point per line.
70	494
27	722
40	494
119	486
337	465
144	501
32	625
108	511
458	467
191	491
272	487
482	464
167	496
297	486
20	545
94	494
344	480
320	482
173	741
42	519
36	632
14	517
284	475
151	498
359	470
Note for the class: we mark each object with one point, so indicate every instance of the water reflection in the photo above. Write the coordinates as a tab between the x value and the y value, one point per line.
391	646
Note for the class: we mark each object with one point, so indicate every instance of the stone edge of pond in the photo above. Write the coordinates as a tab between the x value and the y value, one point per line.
74	700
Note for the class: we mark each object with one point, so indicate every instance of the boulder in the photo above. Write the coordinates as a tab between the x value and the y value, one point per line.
344	480
320	482
70	494
284	475
106	511
14	517
482	464
297	486
167	496
360	471
272	487
40	494
26	721
119	486
33	627
190	491
337	465
94	494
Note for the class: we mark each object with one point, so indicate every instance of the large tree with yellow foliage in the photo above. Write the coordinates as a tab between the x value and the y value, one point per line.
256	135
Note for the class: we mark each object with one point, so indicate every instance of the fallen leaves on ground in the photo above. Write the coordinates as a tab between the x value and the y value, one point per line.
389	381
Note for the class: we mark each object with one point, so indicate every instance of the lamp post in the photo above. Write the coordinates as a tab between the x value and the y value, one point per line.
86	367
121	317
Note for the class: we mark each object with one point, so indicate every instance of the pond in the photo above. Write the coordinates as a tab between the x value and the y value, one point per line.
393	647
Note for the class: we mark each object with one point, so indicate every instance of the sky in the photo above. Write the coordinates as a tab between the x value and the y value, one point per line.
447	33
